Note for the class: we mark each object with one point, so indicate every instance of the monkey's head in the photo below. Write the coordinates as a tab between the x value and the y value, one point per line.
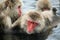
34	15
36	22
32	22
54	10
43	5
12	3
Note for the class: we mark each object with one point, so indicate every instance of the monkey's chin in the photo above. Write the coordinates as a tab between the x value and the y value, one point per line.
29	32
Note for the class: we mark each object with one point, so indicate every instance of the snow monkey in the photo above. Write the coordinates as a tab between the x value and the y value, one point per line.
43	5
13	9
9	10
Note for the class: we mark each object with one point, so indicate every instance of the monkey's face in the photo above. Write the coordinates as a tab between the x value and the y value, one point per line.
33	22
43	5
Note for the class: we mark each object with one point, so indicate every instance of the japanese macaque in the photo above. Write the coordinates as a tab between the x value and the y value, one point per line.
31	17
13	8
38	22
9	10
43	5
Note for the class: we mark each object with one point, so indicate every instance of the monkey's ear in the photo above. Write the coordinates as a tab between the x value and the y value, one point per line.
54	10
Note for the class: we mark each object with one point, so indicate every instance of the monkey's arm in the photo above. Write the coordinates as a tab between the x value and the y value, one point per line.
16	22
56	20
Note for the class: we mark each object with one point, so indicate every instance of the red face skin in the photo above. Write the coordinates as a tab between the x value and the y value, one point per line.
19	11
31	25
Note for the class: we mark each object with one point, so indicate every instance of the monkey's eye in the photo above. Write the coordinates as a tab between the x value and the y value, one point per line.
19	6
33	22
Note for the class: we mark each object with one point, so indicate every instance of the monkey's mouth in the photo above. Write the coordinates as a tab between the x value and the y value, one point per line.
31	26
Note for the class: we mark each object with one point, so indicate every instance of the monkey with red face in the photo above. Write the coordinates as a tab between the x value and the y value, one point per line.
12	8
32	18
9	10
43	5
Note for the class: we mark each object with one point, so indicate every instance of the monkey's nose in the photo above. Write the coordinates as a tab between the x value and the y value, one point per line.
31	26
